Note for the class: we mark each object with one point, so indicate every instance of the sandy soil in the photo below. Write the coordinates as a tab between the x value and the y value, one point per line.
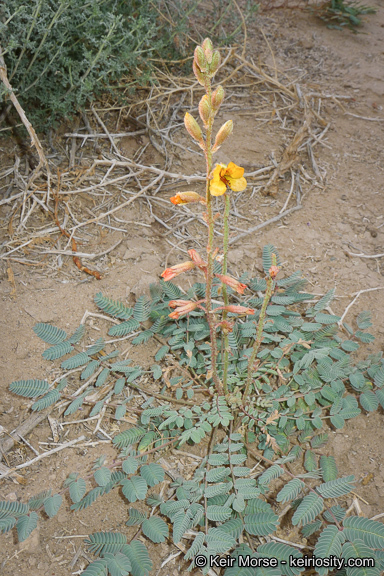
344	214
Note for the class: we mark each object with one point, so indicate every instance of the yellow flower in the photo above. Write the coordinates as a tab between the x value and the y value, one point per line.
224	176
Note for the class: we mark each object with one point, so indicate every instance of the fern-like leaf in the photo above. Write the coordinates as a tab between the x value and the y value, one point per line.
329	544
129	437
124	328
155	529
261	524
29	388
328	468
50	334
101	543
370	531
141	564
118	564
25	525
336	488
290	491
47	400
308	509
57	351
113	307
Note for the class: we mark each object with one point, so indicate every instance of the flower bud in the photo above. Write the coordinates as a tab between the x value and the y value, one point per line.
222	135
193	127
232	283
177	269
205	109
198	73
187	198
214	64
273	272
197	259
217	98
200	59
239	309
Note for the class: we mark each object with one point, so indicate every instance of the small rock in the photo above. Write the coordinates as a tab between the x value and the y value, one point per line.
12	497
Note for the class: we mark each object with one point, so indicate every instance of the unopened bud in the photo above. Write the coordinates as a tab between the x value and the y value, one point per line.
273	272
207	45
198	73
193	127
187	198
222	135
205	109
201	59
217	98
214	64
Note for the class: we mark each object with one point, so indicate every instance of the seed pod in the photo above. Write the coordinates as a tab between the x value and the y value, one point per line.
198	73
215	63
193	127
200	59
222	135
217	98
205	109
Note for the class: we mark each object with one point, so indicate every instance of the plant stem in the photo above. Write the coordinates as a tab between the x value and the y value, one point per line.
210	222
259	337
227	207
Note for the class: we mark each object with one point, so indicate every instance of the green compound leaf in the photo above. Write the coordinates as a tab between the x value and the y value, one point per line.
52	505
96	347
55	352
271	473
50	334
142	309
282	552
89	370
290	490
102	476
25	525
336	488
118	564
379	377
124	328
47	400
218	541
329	544
217	489
308	509
369	401
7	522
217	474
370	531
29	388
130	465
160	354
218	513
311	528
261	524
134	489
102	377
97	568
337	421
358	549
89	499
135	517
77	490
75	361
328	468
77	335
152	473
310	461
196	546
113	307
129	437
141	564
337	511
155	529
15	508
101	543
234	527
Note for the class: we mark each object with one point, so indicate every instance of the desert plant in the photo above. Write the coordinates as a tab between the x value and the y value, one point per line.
340	14
259	373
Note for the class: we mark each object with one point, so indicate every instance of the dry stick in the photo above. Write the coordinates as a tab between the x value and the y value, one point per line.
364	255
357	294
44	455
266	223
24	119
123	205
23	429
